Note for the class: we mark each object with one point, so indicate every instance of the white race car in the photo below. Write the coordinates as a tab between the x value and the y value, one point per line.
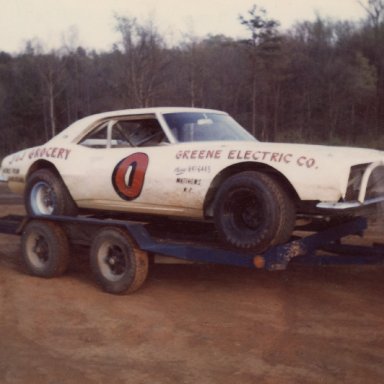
192	163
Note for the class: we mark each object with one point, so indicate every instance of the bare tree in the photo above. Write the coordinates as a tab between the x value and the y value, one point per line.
144	60
375	12
262	42
51	69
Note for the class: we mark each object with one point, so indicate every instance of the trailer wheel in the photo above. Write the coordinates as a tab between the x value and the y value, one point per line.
253	212
44	249
118	265
46	194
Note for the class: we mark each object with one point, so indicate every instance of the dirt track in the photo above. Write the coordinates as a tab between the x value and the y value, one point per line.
192	324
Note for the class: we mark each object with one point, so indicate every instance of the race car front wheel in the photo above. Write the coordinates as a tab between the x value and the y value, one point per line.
253	212
46	194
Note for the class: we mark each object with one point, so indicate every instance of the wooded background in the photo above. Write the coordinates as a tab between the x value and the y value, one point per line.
319	82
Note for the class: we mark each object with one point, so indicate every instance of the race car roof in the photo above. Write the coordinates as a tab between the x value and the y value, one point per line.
75	129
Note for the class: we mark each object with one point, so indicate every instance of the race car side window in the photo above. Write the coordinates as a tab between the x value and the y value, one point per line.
138	133
98	138
128	132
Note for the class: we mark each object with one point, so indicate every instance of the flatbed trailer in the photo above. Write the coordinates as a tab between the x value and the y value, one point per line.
120	249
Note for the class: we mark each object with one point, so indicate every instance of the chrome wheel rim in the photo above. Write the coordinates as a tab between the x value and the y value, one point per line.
42	199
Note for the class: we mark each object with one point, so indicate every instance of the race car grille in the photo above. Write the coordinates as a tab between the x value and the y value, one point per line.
375	186
354	181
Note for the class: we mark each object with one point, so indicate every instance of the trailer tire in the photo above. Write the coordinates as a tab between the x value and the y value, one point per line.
253	212
46	194
44	249
116	262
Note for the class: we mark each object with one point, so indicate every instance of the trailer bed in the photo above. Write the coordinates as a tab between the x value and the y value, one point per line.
322	247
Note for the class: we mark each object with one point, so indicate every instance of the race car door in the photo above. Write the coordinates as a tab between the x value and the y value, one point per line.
129	168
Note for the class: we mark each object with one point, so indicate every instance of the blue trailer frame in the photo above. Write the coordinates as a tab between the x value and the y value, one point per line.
305	250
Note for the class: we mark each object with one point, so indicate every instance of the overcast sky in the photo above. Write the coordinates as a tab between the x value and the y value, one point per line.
93	20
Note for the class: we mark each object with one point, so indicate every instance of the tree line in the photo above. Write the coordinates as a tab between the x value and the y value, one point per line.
321	81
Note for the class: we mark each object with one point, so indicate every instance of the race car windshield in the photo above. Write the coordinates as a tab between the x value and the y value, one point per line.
197	126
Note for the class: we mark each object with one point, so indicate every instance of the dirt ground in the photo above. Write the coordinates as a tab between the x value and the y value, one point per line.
191	324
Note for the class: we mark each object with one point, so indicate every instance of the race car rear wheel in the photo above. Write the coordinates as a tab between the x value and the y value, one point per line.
46	194
44	249
253	212
116	262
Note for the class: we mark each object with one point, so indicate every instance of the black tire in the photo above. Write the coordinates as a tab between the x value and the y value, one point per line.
252	212
118	265
44	249
46	194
